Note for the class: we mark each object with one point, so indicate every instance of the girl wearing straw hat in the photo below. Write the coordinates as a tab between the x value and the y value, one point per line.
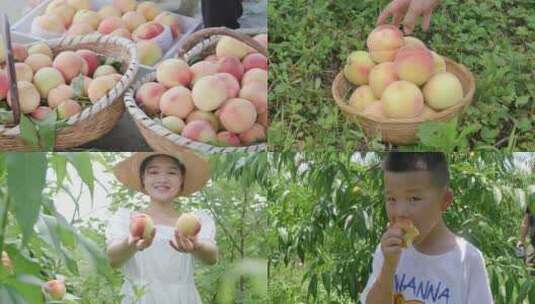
161	263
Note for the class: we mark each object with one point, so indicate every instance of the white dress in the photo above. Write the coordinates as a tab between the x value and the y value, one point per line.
165	274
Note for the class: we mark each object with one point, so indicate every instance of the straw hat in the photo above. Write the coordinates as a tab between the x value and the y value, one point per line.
197	170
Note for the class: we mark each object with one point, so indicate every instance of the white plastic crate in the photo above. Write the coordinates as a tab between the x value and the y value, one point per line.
187	24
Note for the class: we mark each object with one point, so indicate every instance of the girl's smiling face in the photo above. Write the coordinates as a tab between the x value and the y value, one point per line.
413	195
162	178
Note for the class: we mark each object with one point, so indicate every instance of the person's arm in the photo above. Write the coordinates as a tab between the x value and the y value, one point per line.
408	11
381	291
121	251
205	251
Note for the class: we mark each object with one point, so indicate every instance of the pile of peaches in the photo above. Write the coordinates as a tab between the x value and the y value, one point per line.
64	82
399	77
152	30
221	100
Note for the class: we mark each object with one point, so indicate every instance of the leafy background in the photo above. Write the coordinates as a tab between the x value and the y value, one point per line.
43	243
310	40
327	213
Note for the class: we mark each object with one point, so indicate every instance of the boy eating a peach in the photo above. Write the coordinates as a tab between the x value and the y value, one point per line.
419	259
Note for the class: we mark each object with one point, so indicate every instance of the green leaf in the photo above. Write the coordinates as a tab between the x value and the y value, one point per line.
59	164
82	162
26	173
10	295
28	132
47	131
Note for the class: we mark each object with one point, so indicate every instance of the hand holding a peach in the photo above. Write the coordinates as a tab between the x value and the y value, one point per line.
391	245
183	243
142	232
187	228
409	11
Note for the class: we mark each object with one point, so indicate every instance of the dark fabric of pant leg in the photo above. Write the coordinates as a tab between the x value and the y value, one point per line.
221	13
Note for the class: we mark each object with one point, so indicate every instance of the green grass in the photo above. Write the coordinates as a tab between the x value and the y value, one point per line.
309	41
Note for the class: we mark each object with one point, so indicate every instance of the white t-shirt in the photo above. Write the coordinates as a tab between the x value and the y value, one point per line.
455	277
166	274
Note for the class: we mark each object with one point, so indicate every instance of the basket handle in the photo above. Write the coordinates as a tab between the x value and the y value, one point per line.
10	70
203	34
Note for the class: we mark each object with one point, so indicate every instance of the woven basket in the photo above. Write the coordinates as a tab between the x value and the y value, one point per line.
98	119
201	43
402	131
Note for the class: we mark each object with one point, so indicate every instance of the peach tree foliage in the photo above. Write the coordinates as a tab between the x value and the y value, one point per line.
328	214
40	241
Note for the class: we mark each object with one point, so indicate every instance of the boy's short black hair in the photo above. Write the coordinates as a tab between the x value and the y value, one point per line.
434	162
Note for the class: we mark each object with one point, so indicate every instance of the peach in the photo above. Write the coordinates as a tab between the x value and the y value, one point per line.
233	86
110	24
201	69
2	51
6	262
414	64
148	52
55	289
64	12
442	91
167	18
238	115
41	48
160	34
133	20
29	98
257	133
255	60
55	3
41	113
104	70
148	9
99	87
173	123
384	42
199	130
70	65
87	16
209	93
80	4
381	76
409	40
232	66
141	226
357	67
81	28
439	63
173	72
80	85
38	61
20	53
256	93
125	5
226	138
375	110
254	75
209	117
91	59
188	224
23	72
230	47
148	96
402	99
47	27
177	101
59	94
46	79
121	32
361	98
108	11
262	39
68	108
212	58
4	84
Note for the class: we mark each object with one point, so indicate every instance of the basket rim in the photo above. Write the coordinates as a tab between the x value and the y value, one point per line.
142	118
107	100
465	102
